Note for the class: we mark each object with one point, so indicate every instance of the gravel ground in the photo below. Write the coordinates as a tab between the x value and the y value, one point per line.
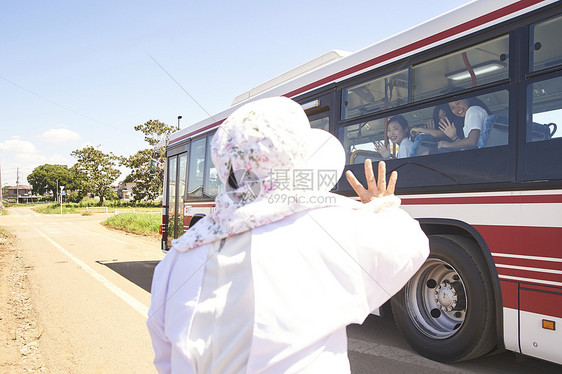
20	336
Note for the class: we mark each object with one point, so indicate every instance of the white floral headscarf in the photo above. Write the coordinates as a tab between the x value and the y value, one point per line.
266	144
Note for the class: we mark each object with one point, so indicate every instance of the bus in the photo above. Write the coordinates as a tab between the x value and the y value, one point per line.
492	209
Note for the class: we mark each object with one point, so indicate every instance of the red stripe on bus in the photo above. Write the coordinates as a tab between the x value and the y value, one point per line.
537	277
534	298
510	295
529	263
541	302
517	199
522	240
198	131
502	12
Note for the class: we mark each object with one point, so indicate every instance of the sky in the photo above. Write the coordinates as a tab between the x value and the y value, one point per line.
79	73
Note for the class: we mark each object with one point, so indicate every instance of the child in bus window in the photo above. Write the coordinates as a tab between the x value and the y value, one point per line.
474	113
397	132
450	126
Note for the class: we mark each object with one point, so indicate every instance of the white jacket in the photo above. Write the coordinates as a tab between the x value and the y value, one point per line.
278	298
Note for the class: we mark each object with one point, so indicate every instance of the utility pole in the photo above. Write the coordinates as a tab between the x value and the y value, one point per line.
1	198
18	185
61	188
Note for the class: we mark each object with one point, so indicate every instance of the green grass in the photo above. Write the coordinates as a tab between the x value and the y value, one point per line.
80	208
55	208
137	223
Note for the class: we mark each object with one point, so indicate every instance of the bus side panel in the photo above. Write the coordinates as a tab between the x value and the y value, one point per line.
510	295
537	340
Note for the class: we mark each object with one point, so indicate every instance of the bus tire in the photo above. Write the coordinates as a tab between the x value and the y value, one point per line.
446	311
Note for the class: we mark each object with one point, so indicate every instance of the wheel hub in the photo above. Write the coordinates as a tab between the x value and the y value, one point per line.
446	296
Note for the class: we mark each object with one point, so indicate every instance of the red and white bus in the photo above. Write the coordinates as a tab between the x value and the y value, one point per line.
492	210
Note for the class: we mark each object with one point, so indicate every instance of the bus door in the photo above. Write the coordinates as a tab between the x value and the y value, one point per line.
177	169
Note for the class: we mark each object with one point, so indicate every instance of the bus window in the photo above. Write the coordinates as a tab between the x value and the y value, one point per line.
321	123
359	139
196	168
474	66
546	44
486	113
212	184
544	138
378	94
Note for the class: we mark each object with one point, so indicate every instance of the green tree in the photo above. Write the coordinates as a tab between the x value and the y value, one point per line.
47	177
148	179
155	132
96	169
147	165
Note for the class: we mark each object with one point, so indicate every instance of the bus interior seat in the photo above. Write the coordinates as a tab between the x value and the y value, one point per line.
542	132
423	144
494	131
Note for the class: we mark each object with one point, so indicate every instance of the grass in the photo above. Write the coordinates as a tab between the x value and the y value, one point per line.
80	208
137	223
55	208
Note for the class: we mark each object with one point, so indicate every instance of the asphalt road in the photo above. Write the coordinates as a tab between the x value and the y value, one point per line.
91	291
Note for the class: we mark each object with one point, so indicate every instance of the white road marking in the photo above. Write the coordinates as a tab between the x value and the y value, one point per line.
134	303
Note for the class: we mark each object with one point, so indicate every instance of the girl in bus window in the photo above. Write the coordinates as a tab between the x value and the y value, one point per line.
397	132
474	112
443	118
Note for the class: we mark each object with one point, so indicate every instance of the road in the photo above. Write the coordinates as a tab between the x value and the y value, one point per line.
90	288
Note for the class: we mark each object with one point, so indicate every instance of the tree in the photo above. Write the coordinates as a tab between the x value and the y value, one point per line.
146	165
97	170
148	180
47	177
155	132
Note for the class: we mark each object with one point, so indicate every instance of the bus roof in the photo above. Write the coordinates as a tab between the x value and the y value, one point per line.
335	66
307	67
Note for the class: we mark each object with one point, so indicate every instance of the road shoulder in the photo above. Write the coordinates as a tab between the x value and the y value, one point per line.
19	333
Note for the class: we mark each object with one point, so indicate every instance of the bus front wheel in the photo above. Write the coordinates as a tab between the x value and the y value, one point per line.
446	311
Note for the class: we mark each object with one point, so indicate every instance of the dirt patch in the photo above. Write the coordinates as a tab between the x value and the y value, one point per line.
20	336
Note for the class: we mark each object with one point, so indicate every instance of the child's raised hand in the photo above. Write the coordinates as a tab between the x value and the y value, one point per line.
448	128
382	149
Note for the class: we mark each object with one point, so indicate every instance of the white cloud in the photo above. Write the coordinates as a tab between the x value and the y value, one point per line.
17	146
30	158
60	135
60	160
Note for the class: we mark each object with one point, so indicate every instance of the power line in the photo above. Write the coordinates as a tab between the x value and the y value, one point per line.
179	85
59	105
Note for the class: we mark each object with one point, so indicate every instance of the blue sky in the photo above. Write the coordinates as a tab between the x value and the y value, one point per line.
76	73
